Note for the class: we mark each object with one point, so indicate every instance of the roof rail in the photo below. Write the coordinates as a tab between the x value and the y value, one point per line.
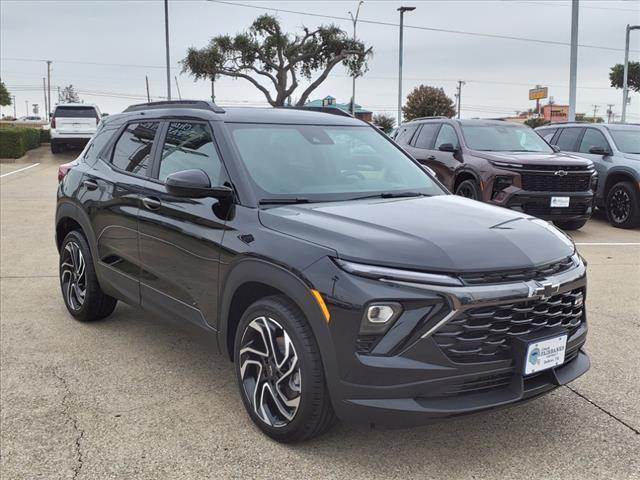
331	110
564	123
430	118
200	104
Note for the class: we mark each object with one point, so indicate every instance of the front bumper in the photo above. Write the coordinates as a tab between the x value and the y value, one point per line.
538	204
405	377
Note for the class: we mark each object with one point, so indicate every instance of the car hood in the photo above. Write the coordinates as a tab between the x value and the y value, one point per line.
443	233
535	158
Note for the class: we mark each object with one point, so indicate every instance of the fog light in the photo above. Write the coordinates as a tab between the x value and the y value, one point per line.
380	313
378	317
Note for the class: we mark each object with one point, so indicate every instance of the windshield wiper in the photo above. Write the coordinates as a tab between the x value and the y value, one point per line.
283	201
392	195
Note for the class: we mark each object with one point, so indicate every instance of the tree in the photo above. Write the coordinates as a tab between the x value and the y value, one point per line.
69	95
5	98
633	79
384	122
425	101
280	60
535	122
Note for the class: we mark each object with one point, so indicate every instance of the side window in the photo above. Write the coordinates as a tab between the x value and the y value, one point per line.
447	135
426	135
132	152
548	134
568	138
188	146
593	138
405	132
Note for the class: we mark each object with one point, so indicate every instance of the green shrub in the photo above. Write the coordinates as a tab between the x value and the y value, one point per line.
14	142
45	135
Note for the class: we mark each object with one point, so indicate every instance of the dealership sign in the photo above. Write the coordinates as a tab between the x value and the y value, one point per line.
538	93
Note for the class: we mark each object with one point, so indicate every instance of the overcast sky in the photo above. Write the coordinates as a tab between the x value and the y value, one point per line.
105	49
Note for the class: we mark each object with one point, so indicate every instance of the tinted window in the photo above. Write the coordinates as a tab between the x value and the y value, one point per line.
627	140
405	132
426	135
568	138
188	146
592	138
506	137
75	112
548	133
447	135
98	142
326	163
132	152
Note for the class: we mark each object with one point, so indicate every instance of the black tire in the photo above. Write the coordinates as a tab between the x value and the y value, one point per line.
570	224
623	205
56	148
94	304
314	412
469	189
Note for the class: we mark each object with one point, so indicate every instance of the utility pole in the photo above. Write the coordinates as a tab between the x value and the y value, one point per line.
609	112
166	35
595	111
44	89
625	78
459	96
353	86
146	80
26	106
177	87
48	105
573	67
401	10
213	89
15	114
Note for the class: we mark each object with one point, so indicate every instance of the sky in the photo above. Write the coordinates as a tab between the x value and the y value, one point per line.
105	49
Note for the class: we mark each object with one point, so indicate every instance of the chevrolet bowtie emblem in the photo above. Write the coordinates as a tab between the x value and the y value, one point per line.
560	173
546	290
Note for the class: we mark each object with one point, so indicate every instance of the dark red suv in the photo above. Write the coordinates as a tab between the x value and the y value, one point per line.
506	164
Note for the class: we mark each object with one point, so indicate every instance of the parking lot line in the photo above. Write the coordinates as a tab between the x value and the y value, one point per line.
19	170
609	244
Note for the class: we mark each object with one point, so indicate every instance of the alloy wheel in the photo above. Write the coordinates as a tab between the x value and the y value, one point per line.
270	372
466	191
620	205
73	275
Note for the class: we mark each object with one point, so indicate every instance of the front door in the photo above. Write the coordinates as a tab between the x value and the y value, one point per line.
445	164
180	238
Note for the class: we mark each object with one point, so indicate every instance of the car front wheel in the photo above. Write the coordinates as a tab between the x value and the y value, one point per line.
469	189
279	371
623	205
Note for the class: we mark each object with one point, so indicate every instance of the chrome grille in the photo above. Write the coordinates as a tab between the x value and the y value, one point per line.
519	274
485	333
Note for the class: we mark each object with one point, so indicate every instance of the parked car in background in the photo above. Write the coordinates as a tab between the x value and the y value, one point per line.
504	164
615	151
30	119
339	276
73	124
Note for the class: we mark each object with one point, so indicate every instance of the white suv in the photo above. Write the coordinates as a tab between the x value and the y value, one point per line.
73	124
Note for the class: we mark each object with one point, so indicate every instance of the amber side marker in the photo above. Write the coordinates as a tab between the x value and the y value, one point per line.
321	304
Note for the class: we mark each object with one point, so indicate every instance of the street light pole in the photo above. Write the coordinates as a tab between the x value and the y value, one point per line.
166	35
353	86
625	77
573	64
401	10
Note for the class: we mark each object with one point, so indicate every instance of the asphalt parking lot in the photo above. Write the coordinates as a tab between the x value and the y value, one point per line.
130	397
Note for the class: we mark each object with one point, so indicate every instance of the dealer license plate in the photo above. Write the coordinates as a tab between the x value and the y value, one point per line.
545	354
559	202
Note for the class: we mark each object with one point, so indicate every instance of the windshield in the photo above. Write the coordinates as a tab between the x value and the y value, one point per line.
325	163
504	138
627	141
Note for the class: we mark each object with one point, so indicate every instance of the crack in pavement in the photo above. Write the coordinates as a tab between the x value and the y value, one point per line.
622	422
66	412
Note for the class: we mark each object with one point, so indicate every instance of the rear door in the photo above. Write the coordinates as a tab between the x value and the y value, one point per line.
81	120
421	147
180	238
567	139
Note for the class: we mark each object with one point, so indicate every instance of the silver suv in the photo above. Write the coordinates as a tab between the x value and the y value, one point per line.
615	152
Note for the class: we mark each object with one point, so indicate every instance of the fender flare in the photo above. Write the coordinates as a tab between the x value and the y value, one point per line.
70	210
465	170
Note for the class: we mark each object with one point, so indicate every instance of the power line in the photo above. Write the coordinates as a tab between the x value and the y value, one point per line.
416	27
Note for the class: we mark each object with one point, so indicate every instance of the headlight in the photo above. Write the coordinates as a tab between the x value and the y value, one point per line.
384	273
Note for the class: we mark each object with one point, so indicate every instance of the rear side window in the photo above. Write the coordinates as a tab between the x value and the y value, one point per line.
132	152
187	146
447	135
98	143
405	132
568	139
593	138
426	135
75	112
548	134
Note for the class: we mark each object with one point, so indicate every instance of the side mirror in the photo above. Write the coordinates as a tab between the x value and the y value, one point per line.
599	151
447	147
555	148
195	183
105	114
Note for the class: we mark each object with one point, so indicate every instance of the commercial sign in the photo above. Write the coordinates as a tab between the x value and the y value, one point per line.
538	93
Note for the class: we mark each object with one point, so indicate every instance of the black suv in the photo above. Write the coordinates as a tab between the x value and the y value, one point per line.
339	276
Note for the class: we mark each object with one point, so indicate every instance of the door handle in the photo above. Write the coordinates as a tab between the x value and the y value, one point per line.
90	185
152	203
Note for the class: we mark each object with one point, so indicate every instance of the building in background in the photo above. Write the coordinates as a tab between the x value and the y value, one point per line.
552	112
330	102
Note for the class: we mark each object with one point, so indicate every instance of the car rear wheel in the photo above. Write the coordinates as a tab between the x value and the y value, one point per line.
279	371
570	224
81	292
469	189
56	148
623	205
